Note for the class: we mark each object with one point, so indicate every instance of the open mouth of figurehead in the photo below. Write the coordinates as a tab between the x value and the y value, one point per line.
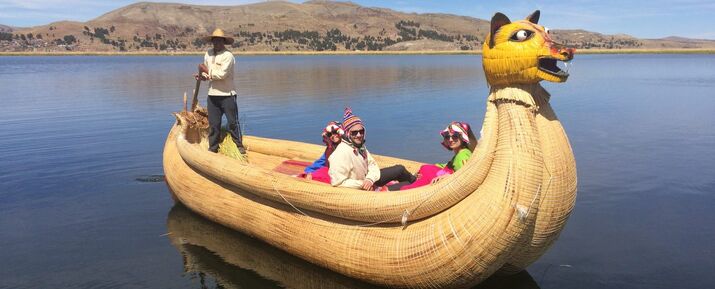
554	66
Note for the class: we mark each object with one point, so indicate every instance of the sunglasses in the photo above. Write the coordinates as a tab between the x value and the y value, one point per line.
453	137
356	132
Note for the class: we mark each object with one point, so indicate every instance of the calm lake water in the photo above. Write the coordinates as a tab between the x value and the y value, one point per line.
77	133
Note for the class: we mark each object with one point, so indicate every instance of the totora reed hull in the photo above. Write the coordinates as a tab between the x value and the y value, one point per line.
502	210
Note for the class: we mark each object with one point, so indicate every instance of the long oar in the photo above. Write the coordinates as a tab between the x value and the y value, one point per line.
195	99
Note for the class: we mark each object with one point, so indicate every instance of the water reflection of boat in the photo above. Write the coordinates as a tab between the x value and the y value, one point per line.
235	260
239	261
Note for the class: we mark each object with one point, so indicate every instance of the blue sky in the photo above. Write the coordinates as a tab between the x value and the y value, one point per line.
640	18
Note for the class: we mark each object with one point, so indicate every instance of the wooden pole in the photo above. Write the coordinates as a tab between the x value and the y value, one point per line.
195	99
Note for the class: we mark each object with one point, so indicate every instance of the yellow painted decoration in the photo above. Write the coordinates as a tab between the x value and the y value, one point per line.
513	52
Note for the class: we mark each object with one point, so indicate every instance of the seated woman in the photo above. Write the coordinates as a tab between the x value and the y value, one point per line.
318	171
457	137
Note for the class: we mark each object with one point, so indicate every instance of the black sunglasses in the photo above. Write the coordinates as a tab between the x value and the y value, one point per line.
356	132
454	137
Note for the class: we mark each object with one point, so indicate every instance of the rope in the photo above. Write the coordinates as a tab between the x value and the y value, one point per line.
273	183
525	213
538	190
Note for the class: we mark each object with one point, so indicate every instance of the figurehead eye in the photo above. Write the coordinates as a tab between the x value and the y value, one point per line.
547	30
522	35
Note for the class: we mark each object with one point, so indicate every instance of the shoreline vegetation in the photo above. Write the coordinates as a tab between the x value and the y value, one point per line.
274	53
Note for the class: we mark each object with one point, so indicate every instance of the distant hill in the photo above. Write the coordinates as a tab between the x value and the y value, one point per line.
286	26
678	42
5	28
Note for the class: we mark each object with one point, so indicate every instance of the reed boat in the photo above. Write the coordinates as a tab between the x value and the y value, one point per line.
499	213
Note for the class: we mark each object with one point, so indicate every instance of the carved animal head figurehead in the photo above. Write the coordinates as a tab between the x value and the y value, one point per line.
522	52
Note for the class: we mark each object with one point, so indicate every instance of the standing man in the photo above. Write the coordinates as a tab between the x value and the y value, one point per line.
218	70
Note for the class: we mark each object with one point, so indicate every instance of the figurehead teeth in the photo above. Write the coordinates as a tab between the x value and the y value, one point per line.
565	66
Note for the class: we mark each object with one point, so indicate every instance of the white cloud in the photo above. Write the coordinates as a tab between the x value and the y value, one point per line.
46	4
36	14
39	12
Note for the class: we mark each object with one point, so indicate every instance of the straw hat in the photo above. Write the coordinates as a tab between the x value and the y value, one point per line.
220	34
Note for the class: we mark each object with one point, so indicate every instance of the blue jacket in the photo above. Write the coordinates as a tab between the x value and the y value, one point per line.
319	163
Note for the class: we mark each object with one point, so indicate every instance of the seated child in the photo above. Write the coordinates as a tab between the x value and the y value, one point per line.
318	171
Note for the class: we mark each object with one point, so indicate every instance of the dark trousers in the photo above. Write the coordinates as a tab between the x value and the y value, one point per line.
395	173
217	106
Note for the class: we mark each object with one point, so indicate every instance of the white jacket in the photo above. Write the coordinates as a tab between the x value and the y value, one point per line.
220	72
349	169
